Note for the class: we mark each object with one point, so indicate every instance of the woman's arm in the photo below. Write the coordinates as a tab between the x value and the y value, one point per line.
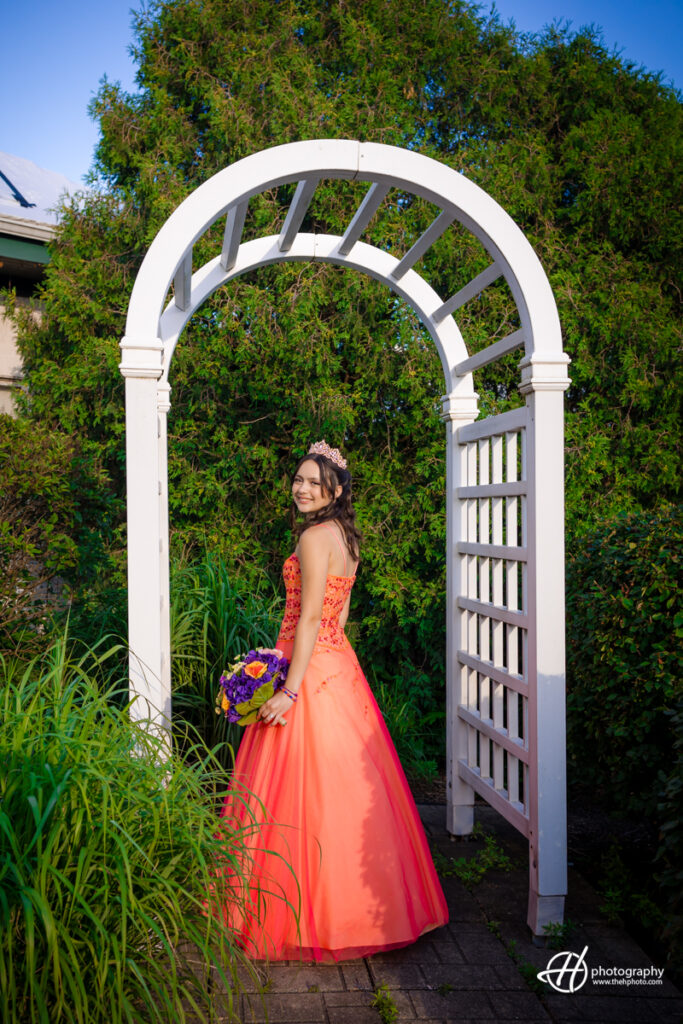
314	558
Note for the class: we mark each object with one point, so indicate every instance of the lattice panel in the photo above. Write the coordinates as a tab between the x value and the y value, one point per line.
493	613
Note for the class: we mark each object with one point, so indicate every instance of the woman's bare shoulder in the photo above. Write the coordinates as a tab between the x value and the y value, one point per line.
315	540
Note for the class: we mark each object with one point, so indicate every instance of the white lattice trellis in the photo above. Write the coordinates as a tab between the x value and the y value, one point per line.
494	623
504	500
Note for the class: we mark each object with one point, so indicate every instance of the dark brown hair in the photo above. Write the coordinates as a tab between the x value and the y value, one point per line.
341	508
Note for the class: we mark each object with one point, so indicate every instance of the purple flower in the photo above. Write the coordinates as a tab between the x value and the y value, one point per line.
248	685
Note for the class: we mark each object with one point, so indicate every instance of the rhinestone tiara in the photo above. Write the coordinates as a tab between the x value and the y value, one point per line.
333	454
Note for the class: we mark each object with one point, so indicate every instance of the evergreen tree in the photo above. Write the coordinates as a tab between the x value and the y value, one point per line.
583	150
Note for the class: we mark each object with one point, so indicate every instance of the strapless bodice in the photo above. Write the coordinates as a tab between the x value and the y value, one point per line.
337	589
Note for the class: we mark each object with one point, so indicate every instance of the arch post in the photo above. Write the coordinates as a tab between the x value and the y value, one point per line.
141	366
457	410
163	408
544	380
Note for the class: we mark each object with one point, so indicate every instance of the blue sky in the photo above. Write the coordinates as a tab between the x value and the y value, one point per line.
55	53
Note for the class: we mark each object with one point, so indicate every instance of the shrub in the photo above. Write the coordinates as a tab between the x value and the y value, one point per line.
48	479
624	656
669	857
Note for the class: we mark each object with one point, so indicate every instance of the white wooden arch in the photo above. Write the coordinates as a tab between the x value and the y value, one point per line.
505	490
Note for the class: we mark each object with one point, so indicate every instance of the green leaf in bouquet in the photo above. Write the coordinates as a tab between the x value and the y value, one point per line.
248	709
249	718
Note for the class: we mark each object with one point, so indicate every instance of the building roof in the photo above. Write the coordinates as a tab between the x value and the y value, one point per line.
28	195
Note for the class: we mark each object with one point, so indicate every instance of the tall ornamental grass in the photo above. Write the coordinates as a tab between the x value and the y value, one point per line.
105	860
215	618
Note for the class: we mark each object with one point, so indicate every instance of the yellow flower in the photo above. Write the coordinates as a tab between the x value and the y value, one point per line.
225	703
255	669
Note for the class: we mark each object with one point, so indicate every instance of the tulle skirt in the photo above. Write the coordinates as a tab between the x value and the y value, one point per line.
338	864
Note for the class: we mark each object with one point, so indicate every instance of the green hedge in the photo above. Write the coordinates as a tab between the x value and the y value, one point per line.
669	859
624	656
52	518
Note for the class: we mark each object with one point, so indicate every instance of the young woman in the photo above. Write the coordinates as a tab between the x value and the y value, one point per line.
339	864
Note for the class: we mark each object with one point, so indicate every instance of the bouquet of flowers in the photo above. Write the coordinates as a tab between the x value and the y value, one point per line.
249	683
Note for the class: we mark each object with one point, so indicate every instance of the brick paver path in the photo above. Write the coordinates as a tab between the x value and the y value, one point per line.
473	969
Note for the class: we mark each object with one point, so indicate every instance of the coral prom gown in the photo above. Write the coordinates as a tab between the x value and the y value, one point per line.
339	864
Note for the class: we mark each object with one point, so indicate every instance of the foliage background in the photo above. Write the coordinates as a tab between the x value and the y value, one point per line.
584	151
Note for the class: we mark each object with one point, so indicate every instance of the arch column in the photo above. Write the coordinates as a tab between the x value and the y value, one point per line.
141	366
544	380
457	410
163	407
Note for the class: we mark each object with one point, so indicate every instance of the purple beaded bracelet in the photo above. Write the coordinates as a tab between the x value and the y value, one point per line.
290	693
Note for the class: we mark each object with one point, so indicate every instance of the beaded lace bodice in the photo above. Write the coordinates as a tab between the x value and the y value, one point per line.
337	589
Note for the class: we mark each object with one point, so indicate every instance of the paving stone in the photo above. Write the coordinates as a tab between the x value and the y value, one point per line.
448	952
459	1005
462	976
518	1006
607	1009
510	976
352	1015
421	952
398	975
433	817
670	1010
439	972
633	1010
285	1008
472	930
223	1007
308	978
364	999
564	1009
404	1005
612	947
253	978
479	946
357	976
667	990
347	998
359	1000
519	934
504	895
461	906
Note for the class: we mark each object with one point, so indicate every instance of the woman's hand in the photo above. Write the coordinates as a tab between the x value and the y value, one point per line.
274	710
